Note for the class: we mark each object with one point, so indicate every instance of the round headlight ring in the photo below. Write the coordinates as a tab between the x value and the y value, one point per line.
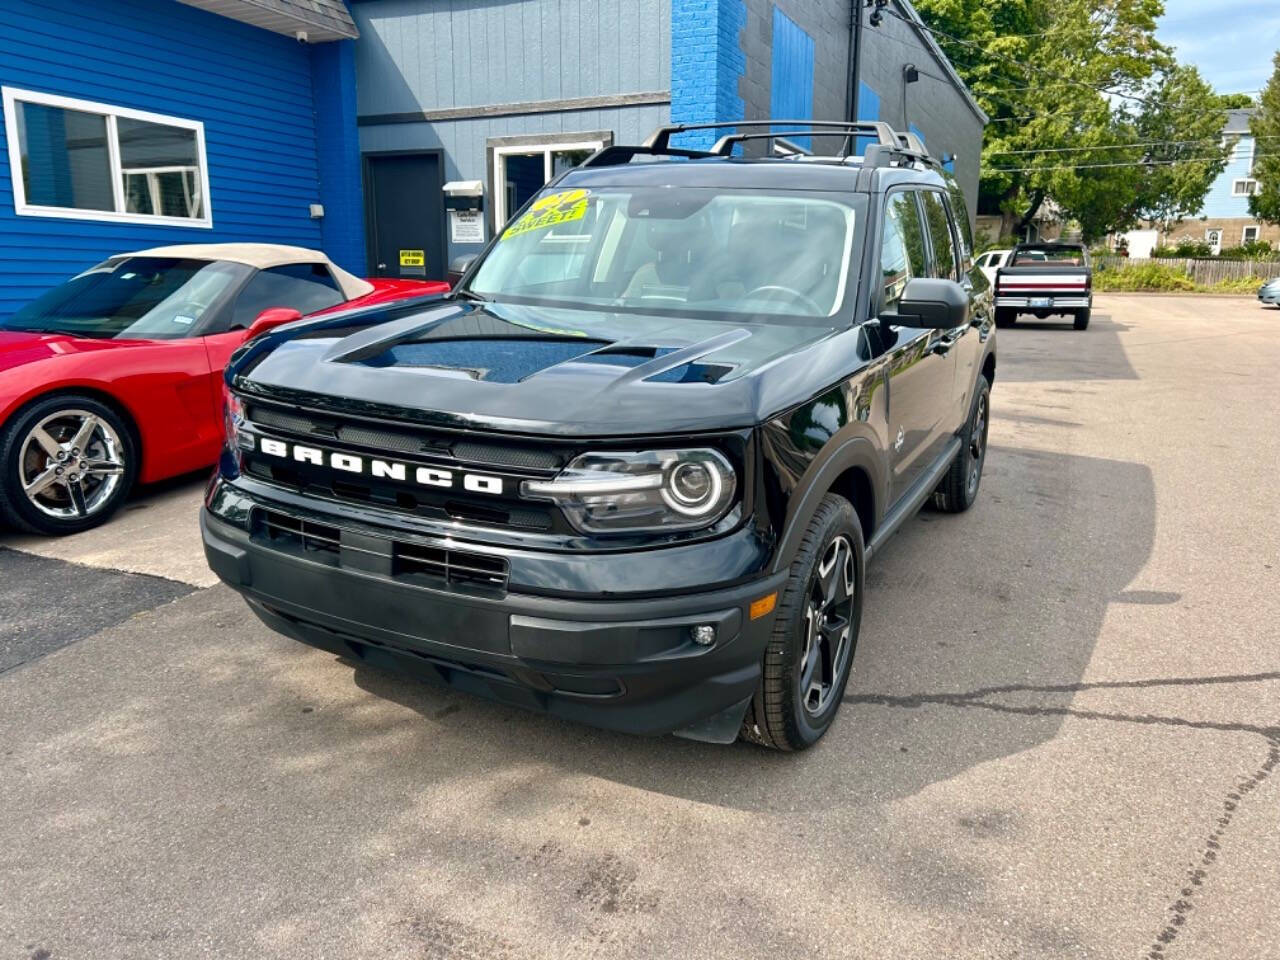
716	470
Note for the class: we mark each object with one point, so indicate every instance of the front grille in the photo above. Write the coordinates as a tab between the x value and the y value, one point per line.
511	461
421	563
414	561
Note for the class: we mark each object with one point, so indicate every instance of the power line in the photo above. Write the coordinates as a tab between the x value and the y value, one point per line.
1066	81
1125	146
1101	166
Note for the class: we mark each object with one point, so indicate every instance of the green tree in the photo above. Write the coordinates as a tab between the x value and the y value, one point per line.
1265	127
1071	86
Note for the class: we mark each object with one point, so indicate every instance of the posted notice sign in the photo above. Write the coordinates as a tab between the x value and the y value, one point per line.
466	226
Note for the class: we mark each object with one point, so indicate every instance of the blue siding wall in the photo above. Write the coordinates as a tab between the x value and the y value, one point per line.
706	64
792	88
1220	204
251	89
333	80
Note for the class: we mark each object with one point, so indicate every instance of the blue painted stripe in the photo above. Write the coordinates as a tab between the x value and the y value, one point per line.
792	81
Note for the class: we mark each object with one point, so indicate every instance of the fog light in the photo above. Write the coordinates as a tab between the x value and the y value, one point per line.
703	635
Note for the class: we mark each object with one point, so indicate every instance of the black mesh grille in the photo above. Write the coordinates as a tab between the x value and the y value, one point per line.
422	563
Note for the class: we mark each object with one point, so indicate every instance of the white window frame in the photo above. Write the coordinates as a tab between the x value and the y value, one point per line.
1244	234
13	96
1251	187
546	148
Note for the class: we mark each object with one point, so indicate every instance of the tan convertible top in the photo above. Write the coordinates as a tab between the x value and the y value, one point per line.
262	256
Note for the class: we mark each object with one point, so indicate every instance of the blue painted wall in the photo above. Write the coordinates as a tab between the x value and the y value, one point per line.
257	93
791	94
706	64
1220	204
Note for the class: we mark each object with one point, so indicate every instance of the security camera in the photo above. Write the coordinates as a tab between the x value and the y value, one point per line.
301	36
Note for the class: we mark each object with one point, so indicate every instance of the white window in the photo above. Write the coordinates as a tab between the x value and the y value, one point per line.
521	171
1244	187
90	161
1250	235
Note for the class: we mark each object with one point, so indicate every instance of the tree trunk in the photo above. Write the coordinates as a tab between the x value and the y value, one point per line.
1028	218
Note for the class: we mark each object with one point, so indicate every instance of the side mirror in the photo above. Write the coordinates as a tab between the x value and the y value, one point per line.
933	304
459	266
271	318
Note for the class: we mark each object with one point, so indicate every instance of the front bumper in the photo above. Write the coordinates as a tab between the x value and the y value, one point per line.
623	664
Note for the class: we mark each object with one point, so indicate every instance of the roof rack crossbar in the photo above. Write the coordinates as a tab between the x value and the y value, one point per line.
660	140
724	146
620	154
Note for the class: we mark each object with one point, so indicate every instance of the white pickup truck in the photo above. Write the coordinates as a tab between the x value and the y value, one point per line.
1044	279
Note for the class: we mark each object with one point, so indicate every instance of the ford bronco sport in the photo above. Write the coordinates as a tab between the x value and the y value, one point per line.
631	471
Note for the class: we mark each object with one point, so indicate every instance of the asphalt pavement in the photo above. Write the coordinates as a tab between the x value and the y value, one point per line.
1061	738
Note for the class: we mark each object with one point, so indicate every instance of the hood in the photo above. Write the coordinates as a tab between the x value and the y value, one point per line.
538	370
19	348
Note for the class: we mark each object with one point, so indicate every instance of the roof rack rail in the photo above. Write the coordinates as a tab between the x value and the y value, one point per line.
660	140
889	147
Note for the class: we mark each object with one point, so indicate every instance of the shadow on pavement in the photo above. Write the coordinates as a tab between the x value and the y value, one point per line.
1048	350
1012	593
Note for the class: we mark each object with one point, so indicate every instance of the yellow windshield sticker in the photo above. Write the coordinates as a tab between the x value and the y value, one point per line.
551	211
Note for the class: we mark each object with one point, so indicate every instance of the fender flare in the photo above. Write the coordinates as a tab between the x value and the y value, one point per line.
856	451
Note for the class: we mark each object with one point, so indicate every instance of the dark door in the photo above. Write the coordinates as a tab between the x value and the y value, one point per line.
921	370
405	199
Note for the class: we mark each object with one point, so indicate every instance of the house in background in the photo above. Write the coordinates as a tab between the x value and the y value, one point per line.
496	98
1224	222
139	123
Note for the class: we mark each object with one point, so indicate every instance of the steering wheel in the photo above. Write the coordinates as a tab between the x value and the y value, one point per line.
800	298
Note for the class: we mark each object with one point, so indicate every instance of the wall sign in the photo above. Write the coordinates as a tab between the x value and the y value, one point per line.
413	258
466	226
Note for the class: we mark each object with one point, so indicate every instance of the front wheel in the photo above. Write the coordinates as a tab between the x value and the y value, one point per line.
808	657
1082	319
959	487
68	463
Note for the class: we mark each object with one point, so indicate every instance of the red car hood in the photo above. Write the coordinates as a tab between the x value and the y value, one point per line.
19	349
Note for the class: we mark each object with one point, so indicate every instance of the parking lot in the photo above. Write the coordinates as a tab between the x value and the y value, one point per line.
1061	737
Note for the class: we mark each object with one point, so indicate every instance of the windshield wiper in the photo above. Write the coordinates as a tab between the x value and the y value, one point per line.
471	295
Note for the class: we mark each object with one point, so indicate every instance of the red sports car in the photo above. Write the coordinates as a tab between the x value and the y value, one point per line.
116	375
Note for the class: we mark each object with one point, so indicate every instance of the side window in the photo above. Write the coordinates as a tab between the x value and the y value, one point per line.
944	249
902	250
964	230
307	287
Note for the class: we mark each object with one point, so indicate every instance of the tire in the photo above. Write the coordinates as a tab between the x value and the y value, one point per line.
80	491
1082	318
780	716
959	487
1006	317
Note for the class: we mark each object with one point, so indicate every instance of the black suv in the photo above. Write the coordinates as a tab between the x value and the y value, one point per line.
630	472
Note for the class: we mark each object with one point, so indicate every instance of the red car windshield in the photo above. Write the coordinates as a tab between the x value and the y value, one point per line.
132	297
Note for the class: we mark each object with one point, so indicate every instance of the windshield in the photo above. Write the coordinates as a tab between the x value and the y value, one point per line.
132	297
681	251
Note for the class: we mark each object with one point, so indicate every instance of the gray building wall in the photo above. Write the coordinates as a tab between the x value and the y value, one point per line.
457	75
934	104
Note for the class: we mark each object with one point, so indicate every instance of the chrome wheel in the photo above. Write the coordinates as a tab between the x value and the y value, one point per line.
977	443
828	626
70	464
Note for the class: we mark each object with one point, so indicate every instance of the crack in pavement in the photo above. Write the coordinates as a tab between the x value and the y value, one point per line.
1181	905
1199	873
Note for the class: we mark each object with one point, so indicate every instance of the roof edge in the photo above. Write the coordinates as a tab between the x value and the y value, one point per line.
922	29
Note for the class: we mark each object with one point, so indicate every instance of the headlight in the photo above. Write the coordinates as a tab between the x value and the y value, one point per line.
635	492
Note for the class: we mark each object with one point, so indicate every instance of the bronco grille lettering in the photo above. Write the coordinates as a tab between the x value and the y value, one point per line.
377	468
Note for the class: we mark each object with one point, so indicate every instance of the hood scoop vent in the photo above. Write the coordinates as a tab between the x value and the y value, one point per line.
493	359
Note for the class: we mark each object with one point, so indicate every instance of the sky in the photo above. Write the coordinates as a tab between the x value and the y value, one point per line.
1231	41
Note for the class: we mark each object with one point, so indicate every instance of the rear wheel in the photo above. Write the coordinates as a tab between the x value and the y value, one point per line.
1082	319
67	465
959	487
808	658
1005	317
